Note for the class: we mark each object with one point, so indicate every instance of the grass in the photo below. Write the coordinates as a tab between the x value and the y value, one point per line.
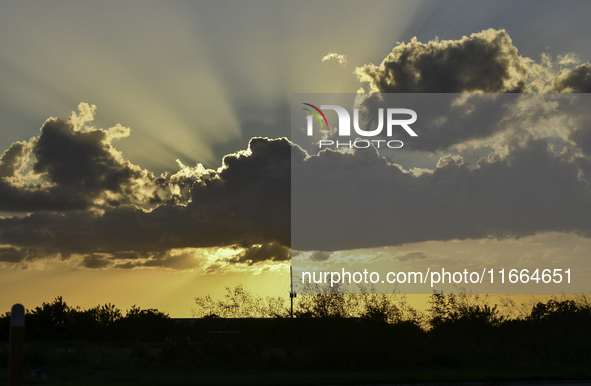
142	363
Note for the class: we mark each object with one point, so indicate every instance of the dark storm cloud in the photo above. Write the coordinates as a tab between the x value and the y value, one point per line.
246	203
95	261
368	202
23	199
575	80
365	201
10	159
69	166
261	253
484	62
19	196
250	189
11	255
81	162
420	75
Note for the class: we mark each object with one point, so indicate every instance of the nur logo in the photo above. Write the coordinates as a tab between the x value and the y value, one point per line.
394	118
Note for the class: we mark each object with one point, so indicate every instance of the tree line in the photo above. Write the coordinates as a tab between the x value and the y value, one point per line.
58	320
329	332
239	302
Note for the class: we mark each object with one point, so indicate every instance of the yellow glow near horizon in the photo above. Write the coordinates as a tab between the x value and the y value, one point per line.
166	290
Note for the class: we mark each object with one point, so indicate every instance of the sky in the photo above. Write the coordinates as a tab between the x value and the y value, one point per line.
130	174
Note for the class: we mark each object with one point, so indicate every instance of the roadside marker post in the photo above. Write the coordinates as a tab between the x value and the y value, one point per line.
17	340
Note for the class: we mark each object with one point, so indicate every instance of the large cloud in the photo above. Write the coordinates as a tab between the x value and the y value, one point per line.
367	202
70	166
484	62
245	203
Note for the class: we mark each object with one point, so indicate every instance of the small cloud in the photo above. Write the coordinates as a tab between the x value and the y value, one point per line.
11	255
320	256
412	255
95	261
264	252
342	59
568	59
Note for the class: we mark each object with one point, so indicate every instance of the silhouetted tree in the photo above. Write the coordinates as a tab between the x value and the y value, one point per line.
464	308
240	303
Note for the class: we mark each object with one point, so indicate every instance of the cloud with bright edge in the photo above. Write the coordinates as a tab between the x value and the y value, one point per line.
69	194
340	58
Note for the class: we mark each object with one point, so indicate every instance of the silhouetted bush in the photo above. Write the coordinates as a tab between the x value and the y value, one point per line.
462	309
57	320
555	308
146	325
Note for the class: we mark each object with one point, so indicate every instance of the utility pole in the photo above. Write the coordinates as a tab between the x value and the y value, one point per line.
291	293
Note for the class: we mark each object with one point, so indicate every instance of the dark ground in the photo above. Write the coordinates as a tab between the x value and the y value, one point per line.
313	351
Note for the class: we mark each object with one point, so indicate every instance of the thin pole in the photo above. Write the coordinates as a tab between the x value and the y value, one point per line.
17	339
291	294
